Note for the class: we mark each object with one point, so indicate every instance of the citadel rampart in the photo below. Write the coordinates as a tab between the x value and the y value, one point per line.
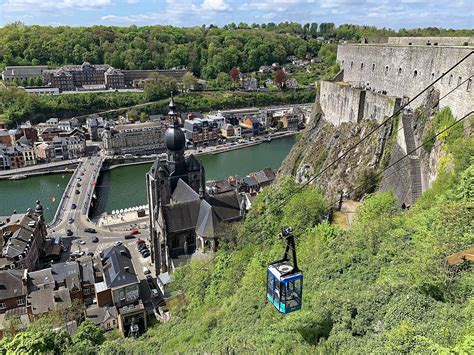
431	41
342	103
403	71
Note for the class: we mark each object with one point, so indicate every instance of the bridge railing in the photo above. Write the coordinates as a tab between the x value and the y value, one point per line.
63	197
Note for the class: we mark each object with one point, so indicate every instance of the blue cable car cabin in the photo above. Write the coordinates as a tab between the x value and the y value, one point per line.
284	288
284	280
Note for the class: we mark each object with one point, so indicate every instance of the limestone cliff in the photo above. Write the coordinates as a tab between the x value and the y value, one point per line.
322	142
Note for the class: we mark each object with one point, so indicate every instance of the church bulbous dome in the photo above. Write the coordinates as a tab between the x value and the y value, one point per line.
174	139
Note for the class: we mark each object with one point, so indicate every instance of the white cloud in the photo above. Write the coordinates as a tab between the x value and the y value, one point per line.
131	2
214	5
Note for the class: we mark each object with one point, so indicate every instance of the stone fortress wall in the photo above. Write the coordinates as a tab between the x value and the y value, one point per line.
431	41
342	103
403	71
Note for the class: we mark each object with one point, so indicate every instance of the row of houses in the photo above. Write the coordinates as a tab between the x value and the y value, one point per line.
86	76
106	291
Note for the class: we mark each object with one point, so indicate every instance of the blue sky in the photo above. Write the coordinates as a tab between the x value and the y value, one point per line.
382	13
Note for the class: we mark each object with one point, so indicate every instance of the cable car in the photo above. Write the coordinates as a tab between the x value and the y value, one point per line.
284	279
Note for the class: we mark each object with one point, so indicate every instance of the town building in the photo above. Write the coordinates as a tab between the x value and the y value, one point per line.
114	78
23	72
68	147
5	163
183	217
106	317
13	289
15	156
201	131
22	238
42	90
137	138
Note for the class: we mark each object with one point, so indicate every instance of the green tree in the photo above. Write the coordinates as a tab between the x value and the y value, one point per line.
189	81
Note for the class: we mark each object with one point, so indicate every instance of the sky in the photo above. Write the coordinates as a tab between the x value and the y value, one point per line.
381	13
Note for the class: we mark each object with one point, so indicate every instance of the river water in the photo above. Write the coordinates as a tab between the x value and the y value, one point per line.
126	186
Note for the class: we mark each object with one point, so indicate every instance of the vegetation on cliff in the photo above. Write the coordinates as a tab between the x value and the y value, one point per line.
382	286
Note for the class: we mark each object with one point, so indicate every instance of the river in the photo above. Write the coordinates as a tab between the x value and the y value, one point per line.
125	186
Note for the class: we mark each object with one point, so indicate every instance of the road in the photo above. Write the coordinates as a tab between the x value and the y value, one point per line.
77	220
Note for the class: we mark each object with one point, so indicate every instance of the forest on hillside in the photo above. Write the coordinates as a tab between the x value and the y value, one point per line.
205	51
381	287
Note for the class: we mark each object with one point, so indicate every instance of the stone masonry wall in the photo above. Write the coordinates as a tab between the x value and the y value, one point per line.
434	41
343	103
403	71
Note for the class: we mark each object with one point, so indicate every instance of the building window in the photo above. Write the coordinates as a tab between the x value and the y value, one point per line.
20	302
469	83
399	71
352	65
361	66
113	322
3	305
459	81
175	242
450	79
373	67
432	76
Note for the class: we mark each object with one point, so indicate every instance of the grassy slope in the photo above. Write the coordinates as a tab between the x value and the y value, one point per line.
380	287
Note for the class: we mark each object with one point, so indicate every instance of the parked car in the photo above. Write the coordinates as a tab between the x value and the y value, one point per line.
146	271
118	243
78	192
95	239
69	233
134	232
70	220
146	254
78	185
90	253
140	241
141	247
73	206
81	242
129	236
90	230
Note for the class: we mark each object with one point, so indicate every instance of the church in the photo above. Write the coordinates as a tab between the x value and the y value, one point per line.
183	216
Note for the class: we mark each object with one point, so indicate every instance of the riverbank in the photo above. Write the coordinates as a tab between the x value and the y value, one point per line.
212	150
41	169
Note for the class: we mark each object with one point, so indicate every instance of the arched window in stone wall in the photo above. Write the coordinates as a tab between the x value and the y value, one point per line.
399	71
386	69
459	81
450	79
432	76
373	66
361	66
415	73
469	84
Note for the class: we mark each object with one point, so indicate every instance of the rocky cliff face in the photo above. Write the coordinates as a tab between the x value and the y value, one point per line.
360	172
321	143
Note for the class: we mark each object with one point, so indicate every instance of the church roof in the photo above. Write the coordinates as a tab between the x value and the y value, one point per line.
183	192
207	219
226	205
181	216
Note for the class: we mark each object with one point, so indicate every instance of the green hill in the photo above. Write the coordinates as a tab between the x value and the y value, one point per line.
382	286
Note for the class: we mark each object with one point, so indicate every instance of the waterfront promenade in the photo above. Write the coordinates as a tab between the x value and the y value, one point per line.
39	169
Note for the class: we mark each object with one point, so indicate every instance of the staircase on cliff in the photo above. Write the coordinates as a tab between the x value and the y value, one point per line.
415	167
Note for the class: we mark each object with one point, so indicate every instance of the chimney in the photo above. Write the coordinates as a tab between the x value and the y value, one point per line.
127	269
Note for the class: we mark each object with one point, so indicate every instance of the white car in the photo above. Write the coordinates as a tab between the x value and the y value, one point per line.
80	241
118	243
